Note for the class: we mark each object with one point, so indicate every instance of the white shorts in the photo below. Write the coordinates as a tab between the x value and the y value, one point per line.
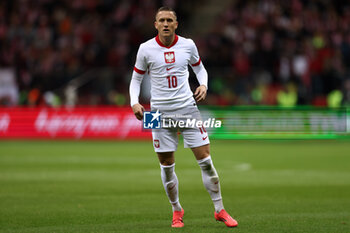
166	139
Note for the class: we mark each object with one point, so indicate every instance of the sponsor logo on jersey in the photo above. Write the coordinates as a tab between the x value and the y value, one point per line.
152	120
169	57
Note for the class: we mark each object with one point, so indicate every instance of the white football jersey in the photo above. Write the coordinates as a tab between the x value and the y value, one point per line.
168	70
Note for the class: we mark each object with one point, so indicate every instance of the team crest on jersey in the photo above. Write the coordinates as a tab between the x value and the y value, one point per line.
156	143
169	57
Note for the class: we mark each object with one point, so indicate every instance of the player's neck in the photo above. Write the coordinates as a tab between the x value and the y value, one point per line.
167	40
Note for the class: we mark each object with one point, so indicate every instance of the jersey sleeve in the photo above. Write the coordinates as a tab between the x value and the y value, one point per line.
137	75
140	64
195	60
198	67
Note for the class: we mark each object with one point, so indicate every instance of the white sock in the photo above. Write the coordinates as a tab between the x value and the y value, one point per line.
171	185
211	182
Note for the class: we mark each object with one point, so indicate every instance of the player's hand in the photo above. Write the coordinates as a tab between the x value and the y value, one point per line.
200	93
138	110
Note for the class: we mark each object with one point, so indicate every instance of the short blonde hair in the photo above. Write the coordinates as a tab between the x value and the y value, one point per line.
166	8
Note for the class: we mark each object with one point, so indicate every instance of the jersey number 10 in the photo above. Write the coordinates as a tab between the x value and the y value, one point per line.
172	81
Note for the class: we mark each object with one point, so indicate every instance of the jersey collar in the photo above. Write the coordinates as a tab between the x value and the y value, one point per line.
168	47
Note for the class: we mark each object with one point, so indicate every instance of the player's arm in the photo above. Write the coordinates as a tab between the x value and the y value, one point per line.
202	77
201	73
135	85
134	90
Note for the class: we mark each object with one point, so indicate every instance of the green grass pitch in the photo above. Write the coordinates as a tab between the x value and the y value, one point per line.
105	186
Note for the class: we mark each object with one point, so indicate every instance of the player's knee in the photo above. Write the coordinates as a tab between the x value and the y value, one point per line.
205	154
167	163
166	158
202	152
205	151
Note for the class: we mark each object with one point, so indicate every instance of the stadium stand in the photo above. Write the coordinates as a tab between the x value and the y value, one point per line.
266	52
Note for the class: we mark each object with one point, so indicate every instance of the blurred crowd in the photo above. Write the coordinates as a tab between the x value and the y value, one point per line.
72	51
258	52
280	52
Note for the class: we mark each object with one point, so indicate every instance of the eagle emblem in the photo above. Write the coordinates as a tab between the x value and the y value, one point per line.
169	57
156	143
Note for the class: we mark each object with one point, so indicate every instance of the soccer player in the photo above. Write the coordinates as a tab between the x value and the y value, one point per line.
166	58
